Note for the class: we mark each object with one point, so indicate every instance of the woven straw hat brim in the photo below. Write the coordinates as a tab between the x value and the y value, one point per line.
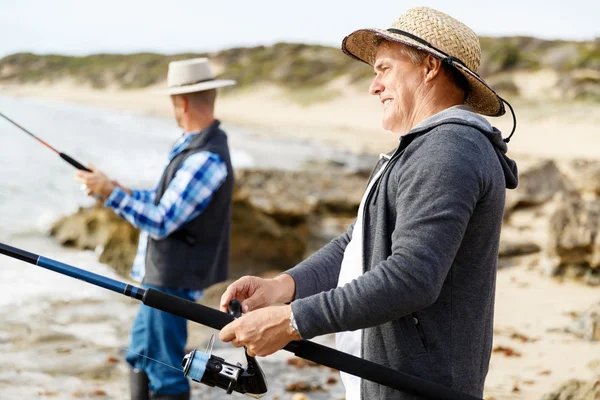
198	87
361	45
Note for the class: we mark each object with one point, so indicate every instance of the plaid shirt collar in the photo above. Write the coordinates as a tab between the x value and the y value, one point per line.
182	143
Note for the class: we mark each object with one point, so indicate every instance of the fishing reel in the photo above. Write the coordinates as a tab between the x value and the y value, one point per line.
216	372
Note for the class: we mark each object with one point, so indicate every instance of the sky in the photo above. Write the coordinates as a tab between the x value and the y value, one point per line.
81	27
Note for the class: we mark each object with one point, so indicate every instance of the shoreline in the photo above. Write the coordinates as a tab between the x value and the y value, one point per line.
350	122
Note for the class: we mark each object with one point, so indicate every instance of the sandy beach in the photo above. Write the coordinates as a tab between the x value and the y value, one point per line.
352	119
531	308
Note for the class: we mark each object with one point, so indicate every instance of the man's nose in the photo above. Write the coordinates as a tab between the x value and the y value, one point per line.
376	87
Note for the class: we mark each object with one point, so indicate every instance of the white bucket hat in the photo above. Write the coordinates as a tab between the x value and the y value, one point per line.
440	35
192	75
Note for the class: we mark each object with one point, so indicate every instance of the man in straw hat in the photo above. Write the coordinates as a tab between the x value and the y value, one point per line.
411	283
185	227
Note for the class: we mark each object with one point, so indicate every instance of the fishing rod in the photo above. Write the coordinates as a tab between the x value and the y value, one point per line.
214	371
62	155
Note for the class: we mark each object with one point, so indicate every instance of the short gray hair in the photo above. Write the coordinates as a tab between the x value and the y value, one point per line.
203	98
417	56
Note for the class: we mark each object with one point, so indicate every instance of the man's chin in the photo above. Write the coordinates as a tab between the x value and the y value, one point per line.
387	125
394	129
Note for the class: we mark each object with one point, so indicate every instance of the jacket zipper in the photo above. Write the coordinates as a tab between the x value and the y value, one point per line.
394	157
419	329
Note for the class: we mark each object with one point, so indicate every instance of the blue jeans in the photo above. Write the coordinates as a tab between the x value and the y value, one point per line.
160	336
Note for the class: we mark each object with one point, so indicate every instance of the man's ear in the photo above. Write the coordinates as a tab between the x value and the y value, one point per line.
431	68
184	103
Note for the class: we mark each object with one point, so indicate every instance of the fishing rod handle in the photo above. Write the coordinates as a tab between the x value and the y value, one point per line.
374	372
74	162
186	309
79	166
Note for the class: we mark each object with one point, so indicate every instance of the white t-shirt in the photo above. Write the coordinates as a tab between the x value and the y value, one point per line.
352	267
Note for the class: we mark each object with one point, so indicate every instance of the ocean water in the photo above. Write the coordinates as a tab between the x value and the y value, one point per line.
37	187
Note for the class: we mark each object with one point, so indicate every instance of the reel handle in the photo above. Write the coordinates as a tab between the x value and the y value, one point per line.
235	308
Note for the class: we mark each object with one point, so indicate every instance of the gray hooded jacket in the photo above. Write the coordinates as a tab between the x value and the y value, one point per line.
431	233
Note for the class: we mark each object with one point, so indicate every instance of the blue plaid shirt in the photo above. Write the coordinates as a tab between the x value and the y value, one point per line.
188	194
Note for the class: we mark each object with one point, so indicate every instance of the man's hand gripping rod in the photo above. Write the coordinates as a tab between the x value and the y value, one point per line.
215	371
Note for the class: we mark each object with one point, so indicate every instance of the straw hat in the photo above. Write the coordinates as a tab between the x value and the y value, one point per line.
440	35
192	75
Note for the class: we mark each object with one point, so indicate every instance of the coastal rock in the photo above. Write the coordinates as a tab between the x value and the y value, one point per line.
100	229
539	181
281	217
584	174
275	221
573	239
512	249
120	248
260	242
86	229
576	390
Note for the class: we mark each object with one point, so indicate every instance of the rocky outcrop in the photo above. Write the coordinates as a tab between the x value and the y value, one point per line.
573	239
576	390
280	217
99	228
584	174
555	213
510	248
276	221
539	181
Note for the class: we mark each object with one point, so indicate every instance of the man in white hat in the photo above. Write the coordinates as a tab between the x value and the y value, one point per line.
411	283
185	227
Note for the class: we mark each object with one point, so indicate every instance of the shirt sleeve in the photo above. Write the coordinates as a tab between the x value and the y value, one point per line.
146	196
311	278
189	193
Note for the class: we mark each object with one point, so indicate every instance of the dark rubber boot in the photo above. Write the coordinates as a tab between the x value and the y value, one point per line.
138	385
179	396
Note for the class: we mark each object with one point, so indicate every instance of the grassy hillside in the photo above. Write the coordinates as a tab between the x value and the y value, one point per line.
299	65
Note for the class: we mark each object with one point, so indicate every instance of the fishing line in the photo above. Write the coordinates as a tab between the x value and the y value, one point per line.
62	155
88	341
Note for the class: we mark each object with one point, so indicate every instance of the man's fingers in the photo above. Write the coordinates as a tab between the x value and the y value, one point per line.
247	305
226	298
86	180
227	334
83	174
237	290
